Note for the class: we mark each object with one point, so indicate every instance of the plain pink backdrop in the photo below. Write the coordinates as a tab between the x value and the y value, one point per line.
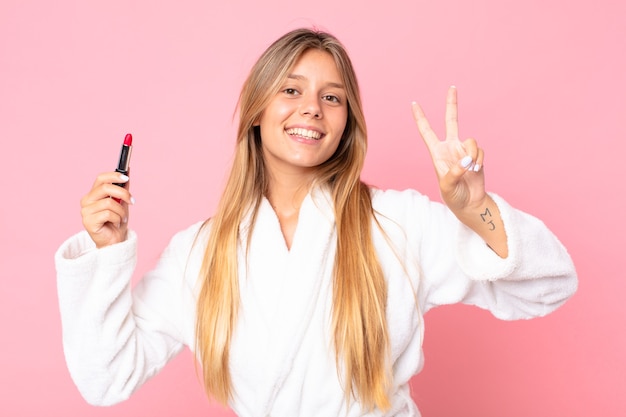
541	86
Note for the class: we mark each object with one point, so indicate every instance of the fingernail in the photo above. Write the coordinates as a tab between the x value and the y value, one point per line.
466	161
125	220
132	200
477	167
124	178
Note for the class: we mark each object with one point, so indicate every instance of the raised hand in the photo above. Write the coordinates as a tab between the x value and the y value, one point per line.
459	168
458	164
105	209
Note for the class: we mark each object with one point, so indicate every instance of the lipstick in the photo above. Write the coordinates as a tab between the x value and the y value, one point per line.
123	164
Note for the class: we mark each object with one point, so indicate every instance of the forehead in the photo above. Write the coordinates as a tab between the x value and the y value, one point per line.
316	64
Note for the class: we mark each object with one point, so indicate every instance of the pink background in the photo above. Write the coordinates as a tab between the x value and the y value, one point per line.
541	86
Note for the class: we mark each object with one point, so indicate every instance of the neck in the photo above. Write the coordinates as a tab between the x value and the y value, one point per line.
285	194
286	190
286	198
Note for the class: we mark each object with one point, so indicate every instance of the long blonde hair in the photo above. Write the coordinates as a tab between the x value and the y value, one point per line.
359	289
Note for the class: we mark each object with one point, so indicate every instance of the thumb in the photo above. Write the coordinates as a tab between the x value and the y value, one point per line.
461	167
450	180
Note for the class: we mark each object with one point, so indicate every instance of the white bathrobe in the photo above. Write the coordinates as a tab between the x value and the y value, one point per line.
282	356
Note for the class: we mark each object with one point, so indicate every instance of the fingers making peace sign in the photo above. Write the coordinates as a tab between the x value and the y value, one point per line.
458	164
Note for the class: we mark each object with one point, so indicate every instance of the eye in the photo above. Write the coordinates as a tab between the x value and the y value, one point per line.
331	98
290	91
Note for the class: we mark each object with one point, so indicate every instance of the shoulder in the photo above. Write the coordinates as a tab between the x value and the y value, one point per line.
399	202
192	231
190	239
411	214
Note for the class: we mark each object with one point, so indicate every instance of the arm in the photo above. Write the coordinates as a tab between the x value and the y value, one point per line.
524	272
115	338
536	277
449	263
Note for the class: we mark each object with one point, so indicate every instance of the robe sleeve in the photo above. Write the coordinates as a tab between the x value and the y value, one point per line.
456	266
115	338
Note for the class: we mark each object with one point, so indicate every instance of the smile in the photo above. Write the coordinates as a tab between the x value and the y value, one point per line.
305	133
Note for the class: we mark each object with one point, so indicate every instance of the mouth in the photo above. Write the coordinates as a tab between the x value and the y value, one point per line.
304	133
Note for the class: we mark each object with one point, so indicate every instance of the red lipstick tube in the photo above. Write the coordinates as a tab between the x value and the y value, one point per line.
124	162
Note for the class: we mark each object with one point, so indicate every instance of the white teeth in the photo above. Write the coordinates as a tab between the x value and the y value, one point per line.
305	133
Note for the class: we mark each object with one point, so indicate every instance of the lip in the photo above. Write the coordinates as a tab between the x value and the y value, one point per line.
304	132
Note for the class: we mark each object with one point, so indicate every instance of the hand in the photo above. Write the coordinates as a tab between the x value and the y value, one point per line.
104	218
458	164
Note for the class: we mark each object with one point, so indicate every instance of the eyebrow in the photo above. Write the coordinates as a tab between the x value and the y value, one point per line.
303	78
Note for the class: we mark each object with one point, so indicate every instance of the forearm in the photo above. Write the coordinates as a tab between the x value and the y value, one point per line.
485	220
116	338
95	305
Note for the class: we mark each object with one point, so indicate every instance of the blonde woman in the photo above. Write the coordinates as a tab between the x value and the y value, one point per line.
304	294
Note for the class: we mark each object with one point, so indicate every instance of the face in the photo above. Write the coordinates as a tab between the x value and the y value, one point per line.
302	126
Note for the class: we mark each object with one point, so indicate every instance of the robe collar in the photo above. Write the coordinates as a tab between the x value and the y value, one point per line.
280	293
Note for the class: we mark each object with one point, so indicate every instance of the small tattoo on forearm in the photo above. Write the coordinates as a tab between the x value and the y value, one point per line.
486	217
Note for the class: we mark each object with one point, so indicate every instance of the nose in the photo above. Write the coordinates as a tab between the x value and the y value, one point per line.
311	107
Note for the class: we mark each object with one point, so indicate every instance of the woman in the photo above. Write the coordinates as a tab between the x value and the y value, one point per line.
304	294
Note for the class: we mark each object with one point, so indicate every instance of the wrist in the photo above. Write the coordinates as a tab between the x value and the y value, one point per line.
485	220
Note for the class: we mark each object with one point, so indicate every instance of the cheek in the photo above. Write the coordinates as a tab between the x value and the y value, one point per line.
341	122
271	119
277	112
